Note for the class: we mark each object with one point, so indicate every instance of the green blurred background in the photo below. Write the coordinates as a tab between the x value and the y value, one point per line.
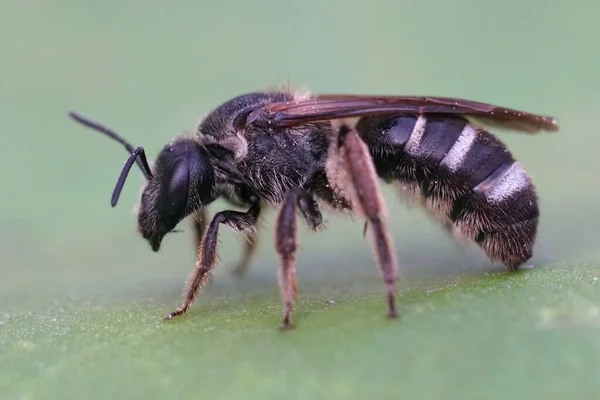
82	296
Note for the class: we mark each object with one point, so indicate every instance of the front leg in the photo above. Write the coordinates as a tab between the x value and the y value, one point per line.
286	243
200	221
241	195
250	247
207	252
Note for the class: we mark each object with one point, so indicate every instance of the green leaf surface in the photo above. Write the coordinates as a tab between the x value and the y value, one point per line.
533	334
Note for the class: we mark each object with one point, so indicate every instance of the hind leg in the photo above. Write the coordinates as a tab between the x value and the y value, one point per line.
352	168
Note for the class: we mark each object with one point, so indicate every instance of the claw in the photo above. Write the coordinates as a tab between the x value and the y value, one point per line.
287	326
174	314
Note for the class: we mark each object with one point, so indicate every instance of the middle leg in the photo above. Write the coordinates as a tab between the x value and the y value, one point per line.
286	243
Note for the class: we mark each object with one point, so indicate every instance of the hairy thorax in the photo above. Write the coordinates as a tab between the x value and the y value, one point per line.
268	161
278	160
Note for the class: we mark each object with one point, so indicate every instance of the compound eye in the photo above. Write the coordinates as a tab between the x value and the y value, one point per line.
178	183
174	197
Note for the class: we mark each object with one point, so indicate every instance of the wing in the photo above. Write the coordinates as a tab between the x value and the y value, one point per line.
332	106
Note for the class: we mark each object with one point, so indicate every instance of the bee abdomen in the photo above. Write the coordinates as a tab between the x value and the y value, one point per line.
500	214
463	175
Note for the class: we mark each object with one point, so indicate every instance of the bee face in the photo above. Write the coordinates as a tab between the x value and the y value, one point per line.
183	181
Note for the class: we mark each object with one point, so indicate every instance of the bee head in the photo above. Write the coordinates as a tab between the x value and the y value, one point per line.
182	181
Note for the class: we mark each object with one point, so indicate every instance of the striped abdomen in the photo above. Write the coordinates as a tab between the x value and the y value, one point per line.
463	175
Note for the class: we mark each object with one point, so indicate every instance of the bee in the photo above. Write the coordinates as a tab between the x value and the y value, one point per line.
299	153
